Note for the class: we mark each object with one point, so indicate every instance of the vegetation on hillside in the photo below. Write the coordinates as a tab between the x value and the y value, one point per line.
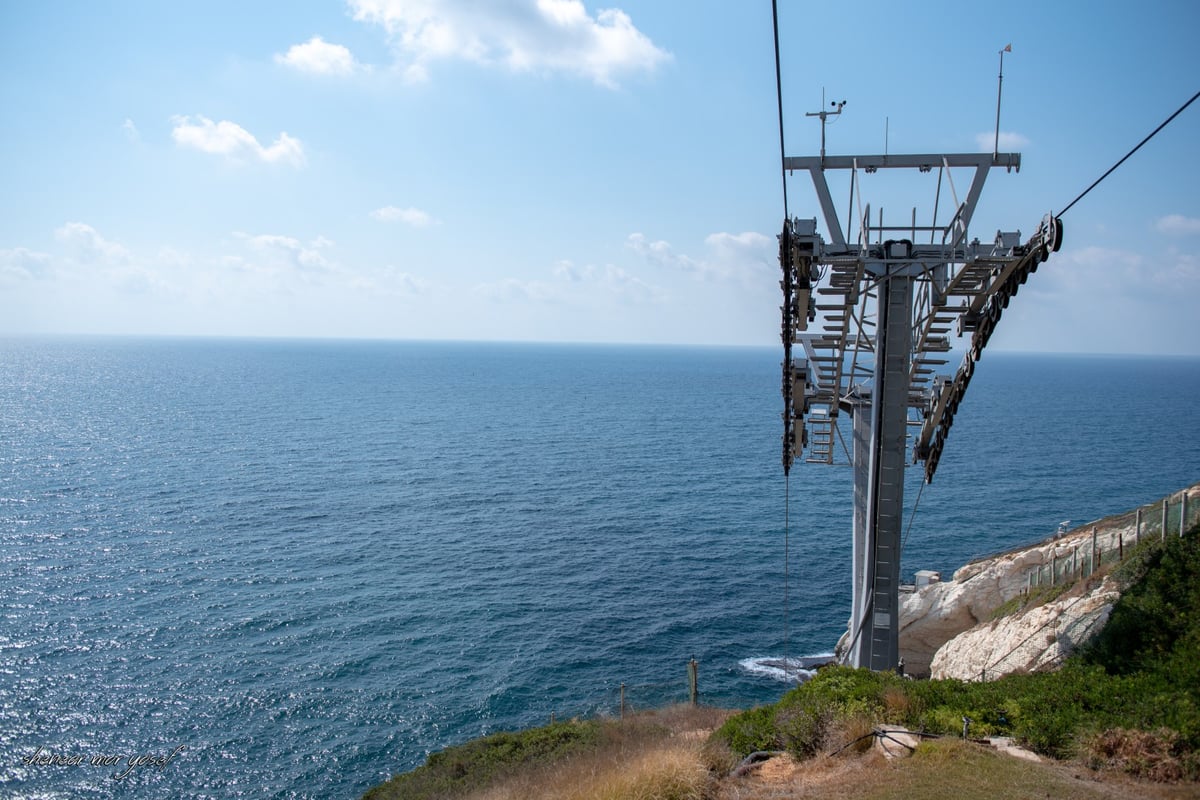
650	755
1130	701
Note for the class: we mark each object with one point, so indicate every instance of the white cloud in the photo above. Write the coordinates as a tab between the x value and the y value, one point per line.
731	255
279	253
743	247
1105	300
393	281
319	57
131	131
1178	225
231	140
22	264
661	254
610	278
409	216
510	289
88	245
1009	141
1093	276
519	35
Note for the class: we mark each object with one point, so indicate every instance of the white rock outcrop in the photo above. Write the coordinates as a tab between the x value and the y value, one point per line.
946	628
1039	638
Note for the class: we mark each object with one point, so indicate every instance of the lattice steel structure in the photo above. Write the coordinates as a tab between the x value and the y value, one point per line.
885	305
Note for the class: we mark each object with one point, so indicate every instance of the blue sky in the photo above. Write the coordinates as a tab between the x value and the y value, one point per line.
553	170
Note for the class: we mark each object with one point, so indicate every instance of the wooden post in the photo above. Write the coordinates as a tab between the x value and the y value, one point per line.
1095	551
1164	525
693	680
1120	546
1182	512
1053	569
1137	530
622	701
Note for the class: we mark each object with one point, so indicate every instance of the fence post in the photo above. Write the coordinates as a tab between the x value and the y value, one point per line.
1164	525
622	701
1120	546
1137	531
1183	512
1095	551
693	680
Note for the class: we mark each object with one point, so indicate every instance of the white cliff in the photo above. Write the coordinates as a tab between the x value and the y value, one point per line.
947	629
1037	639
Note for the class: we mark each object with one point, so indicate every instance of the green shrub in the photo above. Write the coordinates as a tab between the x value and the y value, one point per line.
456	770
750	732
1160	609
803	725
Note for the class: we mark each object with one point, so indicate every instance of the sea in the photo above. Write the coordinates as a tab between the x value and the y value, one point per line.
291	568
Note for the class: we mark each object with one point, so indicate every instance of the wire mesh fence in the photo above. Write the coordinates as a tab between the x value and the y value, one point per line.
1114	538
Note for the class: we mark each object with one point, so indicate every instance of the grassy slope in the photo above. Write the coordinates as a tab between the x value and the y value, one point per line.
650	755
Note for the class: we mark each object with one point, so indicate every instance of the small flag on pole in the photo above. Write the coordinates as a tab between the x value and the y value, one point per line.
1008	48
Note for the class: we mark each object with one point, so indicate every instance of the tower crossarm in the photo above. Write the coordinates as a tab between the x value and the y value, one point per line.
980	317
817	166
960	288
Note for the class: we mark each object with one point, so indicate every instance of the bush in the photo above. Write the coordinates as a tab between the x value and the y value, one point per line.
803	725
836	702
456	770
750	732
1160	610
1156	755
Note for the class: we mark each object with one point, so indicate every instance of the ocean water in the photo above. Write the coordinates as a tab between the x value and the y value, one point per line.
271	569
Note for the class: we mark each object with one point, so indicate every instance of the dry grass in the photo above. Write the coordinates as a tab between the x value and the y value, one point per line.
668	772
1150	755
657	755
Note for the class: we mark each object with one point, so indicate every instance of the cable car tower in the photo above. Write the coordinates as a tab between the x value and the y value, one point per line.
881	305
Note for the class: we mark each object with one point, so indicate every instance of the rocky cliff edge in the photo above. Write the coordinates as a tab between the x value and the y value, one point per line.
958	628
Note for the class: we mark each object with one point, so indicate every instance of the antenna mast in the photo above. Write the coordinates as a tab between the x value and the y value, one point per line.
999	89
824	115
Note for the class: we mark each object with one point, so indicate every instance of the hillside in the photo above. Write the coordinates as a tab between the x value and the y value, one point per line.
1119	718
